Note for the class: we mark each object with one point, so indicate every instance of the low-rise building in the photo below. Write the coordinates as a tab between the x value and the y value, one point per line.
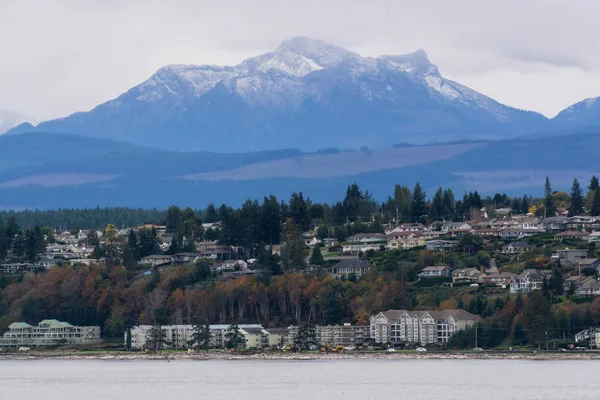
49	332
156	260
275	337
423	327
570	256
589	337
435	272
337	335
407	240
442	245
356	248
498	278
180	336
466	275
366	238
573	235
15	268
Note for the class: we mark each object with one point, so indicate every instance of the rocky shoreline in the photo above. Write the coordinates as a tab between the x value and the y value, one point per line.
548	356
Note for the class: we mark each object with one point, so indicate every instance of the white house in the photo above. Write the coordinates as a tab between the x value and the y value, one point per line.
424	327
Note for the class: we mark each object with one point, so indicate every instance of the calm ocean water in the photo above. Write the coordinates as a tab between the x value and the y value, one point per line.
312	380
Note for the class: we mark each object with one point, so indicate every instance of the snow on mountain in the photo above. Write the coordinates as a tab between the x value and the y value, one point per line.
584	115
306	94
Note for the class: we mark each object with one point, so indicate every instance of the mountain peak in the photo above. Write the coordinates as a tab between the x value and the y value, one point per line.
416	62
322	53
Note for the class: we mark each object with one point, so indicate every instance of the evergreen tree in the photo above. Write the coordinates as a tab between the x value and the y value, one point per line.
316	258
448	201
293	255
306	337
594	184
576	204
418	205
595	208
234	338
518	335
549	207
270	221
201	337
174	221
129	261
31	248
437	205
156	338
352	202
525	204
557	283
132	242
154	279
299	211
202	271
538	319
211	215
128	339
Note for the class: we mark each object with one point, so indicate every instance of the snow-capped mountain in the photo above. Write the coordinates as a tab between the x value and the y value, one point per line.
9	119
584	115
306	94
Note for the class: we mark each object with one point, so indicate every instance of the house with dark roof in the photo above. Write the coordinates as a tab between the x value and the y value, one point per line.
435	272
498	278
349	266
527	281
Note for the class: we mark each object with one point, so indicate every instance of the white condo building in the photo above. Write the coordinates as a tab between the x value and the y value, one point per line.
424	327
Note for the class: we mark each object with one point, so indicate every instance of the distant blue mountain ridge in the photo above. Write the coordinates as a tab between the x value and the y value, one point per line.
45	171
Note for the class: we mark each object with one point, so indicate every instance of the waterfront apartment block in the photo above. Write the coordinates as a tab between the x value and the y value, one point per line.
422	327
344	335
49	332
179	336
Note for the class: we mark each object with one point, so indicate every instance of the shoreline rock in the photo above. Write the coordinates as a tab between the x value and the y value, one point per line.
539	356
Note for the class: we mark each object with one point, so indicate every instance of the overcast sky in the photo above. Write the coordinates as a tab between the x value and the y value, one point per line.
61	56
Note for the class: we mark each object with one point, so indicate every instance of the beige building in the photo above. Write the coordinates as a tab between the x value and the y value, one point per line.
49	332
466	275
275	337
423	327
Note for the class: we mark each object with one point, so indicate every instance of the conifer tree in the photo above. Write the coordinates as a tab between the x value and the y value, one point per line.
594	183
595	209
550	208
437	205
316	258
576	204
418	205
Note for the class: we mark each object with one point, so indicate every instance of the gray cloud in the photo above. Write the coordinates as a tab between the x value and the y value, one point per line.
61	56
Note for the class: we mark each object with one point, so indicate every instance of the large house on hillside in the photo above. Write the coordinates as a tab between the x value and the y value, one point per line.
435	272
527	281
424	327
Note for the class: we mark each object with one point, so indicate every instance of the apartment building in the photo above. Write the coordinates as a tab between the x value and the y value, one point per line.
49	332
344	335
179	336
423	327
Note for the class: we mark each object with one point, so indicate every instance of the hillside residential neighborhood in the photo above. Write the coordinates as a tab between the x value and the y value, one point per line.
444	268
